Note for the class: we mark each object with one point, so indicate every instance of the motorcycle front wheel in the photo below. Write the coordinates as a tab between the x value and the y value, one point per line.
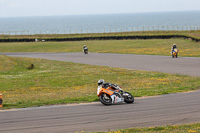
105	99
129	98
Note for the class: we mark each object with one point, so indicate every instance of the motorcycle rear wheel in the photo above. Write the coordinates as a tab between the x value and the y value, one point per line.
129	98
105	99
86	52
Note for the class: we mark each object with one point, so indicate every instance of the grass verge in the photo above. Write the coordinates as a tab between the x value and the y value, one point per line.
191	33
56	82
187	48
188	128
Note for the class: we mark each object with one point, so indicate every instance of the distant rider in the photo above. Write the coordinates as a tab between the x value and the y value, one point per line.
173	47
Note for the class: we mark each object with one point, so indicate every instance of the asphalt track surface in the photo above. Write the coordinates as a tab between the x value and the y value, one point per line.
171	109
167	64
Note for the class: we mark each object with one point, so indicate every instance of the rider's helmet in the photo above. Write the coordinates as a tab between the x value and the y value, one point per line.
101	82
84	45
174	44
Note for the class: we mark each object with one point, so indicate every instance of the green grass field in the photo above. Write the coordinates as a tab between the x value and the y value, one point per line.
188	128
151	47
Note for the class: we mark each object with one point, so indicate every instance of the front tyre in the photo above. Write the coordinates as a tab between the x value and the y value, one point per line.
105	99
128	98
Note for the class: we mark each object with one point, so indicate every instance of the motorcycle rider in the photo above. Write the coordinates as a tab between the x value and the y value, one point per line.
85	48
102	83
173	47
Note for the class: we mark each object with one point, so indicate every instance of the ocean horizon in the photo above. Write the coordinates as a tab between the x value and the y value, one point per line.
100	23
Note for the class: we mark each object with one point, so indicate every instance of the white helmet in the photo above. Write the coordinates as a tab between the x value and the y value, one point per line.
101	82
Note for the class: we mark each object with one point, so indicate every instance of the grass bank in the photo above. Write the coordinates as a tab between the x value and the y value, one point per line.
55	82
149	47
105	36
192	33
188	128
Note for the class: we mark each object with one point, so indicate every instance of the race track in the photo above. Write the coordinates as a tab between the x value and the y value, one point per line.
169	109
182	65
179	108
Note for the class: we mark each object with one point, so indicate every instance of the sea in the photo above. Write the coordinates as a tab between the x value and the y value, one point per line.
101	23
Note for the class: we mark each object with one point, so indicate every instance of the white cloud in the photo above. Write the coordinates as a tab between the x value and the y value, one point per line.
1	1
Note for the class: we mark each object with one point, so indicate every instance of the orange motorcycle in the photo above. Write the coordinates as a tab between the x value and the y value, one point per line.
175	53
113	94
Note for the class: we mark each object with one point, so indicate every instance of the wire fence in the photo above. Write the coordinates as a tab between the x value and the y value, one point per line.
102	30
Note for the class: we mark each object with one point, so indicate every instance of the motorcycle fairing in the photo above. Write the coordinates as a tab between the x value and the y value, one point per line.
116	99
103	90
175	51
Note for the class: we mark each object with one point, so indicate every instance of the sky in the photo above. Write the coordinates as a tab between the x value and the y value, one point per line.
16	8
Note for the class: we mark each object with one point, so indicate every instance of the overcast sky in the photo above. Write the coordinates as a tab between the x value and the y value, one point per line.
13	8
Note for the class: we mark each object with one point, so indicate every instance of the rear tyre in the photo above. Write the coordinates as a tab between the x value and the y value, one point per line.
129	98
105	99
176	55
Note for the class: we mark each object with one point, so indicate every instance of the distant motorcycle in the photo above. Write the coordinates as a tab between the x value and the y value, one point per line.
109	95
175	53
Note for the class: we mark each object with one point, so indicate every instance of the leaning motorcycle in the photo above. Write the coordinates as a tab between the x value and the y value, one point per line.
109	95
175	53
